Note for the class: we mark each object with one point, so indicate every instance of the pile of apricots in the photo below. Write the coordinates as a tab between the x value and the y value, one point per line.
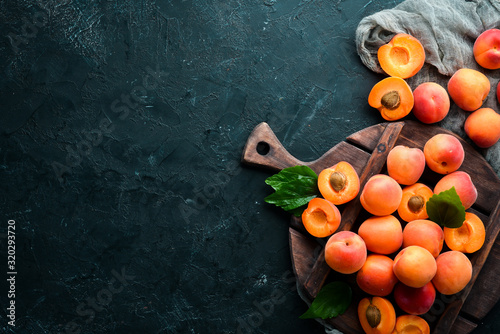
398	250
404	56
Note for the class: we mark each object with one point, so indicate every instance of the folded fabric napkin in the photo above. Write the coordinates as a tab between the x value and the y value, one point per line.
447	29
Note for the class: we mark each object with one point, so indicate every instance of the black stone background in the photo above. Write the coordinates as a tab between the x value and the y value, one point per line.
121	129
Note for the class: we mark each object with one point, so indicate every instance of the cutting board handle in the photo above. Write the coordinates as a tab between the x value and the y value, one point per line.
264	149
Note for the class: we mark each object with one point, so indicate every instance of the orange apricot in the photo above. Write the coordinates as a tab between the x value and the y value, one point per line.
468	88
382	234
402	57
345	252
483	127
339	184
413	202
376	277
376	315
454	272
321	218
424	233
463	184
405	164
392	97
414	266
409	324
467	238
486	49
444	153
381	195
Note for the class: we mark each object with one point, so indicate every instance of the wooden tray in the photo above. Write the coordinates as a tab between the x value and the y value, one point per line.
367	150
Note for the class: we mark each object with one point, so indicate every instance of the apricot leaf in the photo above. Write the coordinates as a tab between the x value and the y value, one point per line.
294	188
446	209
332	300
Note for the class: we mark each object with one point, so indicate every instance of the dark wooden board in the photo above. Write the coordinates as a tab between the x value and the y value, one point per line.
367	150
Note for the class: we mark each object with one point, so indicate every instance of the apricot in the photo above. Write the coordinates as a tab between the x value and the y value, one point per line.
381	195
415	301
339	184
431	102
424	233
402	57
405	164
345	252
486	49
467	238
468	88
498	92
392	97
382	234
483	127
376	315
411	324
444	153
454	272
413	203
414	266
321	217
463	184
376	277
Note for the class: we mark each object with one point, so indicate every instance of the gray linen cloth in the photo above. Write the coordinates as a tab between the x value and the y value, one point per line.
447	29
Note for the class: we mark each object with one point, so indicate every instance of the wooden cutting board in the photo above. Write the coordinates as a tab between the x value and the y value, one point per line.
367	150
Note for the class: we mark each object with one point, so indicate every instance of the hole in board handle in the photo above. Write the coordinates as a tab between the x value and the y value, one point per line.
263	148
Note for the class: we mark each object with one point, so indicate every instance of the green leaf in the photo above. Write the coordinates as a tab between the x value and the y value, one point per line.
332	300
446	209
294	188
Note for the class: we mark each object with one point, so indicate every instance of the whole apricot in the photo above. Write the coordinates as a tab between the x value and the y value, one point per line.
415	301
483	127
345	252
405	164
444	153
376	277
463	184
486	49
414	266
381	195
382	234
431	102
468	88
454	272
424	233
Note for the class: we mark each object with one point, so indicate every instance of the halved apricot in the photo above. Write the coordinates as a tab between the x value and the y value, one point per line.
321	218
376	315
407	323
392	97
339	184
402	57
467	238
412	205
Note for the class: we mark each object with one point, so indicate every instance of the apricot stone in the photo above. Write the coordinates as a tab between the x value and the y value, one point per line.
483	127
468	88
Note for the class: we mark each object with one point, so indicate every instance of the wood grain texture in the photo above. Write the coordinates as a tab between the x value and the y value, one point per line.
367	150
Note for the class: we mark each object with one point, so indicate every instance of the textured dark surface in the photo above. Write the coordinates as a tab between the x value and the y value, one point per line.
121	129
